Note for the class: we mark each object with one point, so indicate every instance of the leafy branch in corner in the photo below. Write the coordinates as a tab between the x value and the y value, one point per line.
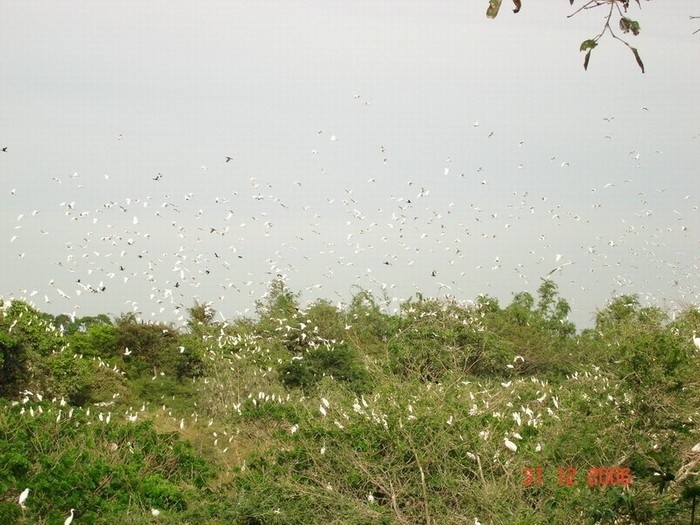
627	25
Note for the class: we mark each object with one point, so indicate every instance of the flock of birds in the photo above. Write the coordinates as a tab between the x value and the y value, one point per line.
155	246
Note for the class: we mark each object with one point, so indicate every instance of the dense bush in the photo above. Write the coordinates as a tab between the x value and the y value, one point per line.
349	414
73	460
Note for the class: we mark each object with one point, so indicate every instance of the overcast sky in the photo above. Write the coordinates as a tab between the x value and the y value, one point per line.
390	145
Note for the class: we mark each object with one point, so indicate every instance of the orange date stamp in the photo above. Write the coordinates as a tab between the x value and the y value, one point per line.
568	476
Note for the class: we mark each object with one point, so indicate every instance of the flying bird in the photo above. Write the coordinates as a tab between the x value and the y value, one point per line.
229	159
557	269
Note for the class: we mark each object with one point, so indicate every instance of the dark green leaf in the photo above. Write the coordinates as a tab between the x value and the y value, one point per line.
494	6
585	60
588	44
636	28
627	25
638	59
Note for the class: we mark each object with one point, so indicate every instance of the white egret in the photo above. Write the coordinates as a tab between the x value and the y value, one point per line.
510	445
23	497
696	341
69	519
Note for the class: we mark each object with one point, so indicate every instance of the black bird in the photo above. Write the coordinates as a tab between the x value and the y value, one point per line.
229	159
5	149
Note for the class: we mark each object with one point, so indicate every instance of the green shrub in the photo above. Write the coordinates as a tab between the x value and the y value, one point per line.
339	362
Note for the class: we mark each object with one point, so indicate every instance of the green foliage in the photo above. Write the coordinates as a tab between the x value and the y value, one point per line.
199	316
494	7
368	326
102	470
61	375
158	349
339	362
98	339
13	365
279	302
627	25
351	415
436	337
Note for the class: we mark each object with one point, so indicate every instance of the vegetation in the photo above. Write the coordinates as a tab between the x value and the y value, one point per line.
443	412
616	17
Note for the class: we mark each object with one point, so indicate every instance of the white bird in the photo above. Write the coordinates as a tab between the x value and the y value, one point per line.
696	341
155	512
510	445
23	497
69	519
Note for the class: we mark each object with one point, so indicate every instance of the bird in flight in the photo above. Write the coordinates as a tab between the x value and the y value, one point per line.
229	159
5	149
557	269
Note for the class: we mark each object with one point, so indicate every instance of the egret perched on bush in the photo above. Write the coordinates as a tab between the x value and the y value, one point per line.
510	445
23	497
69	519
696	341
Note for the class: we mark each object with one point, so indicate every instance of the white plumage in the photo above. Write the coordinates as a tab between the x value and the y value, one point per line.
23	497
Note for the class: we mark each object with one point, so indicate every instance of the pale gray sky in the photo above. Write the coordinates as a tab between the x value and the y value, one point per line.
337	114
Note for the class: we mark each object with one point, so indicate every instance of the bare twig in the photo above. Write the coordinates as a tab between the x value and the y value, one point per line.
426	509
